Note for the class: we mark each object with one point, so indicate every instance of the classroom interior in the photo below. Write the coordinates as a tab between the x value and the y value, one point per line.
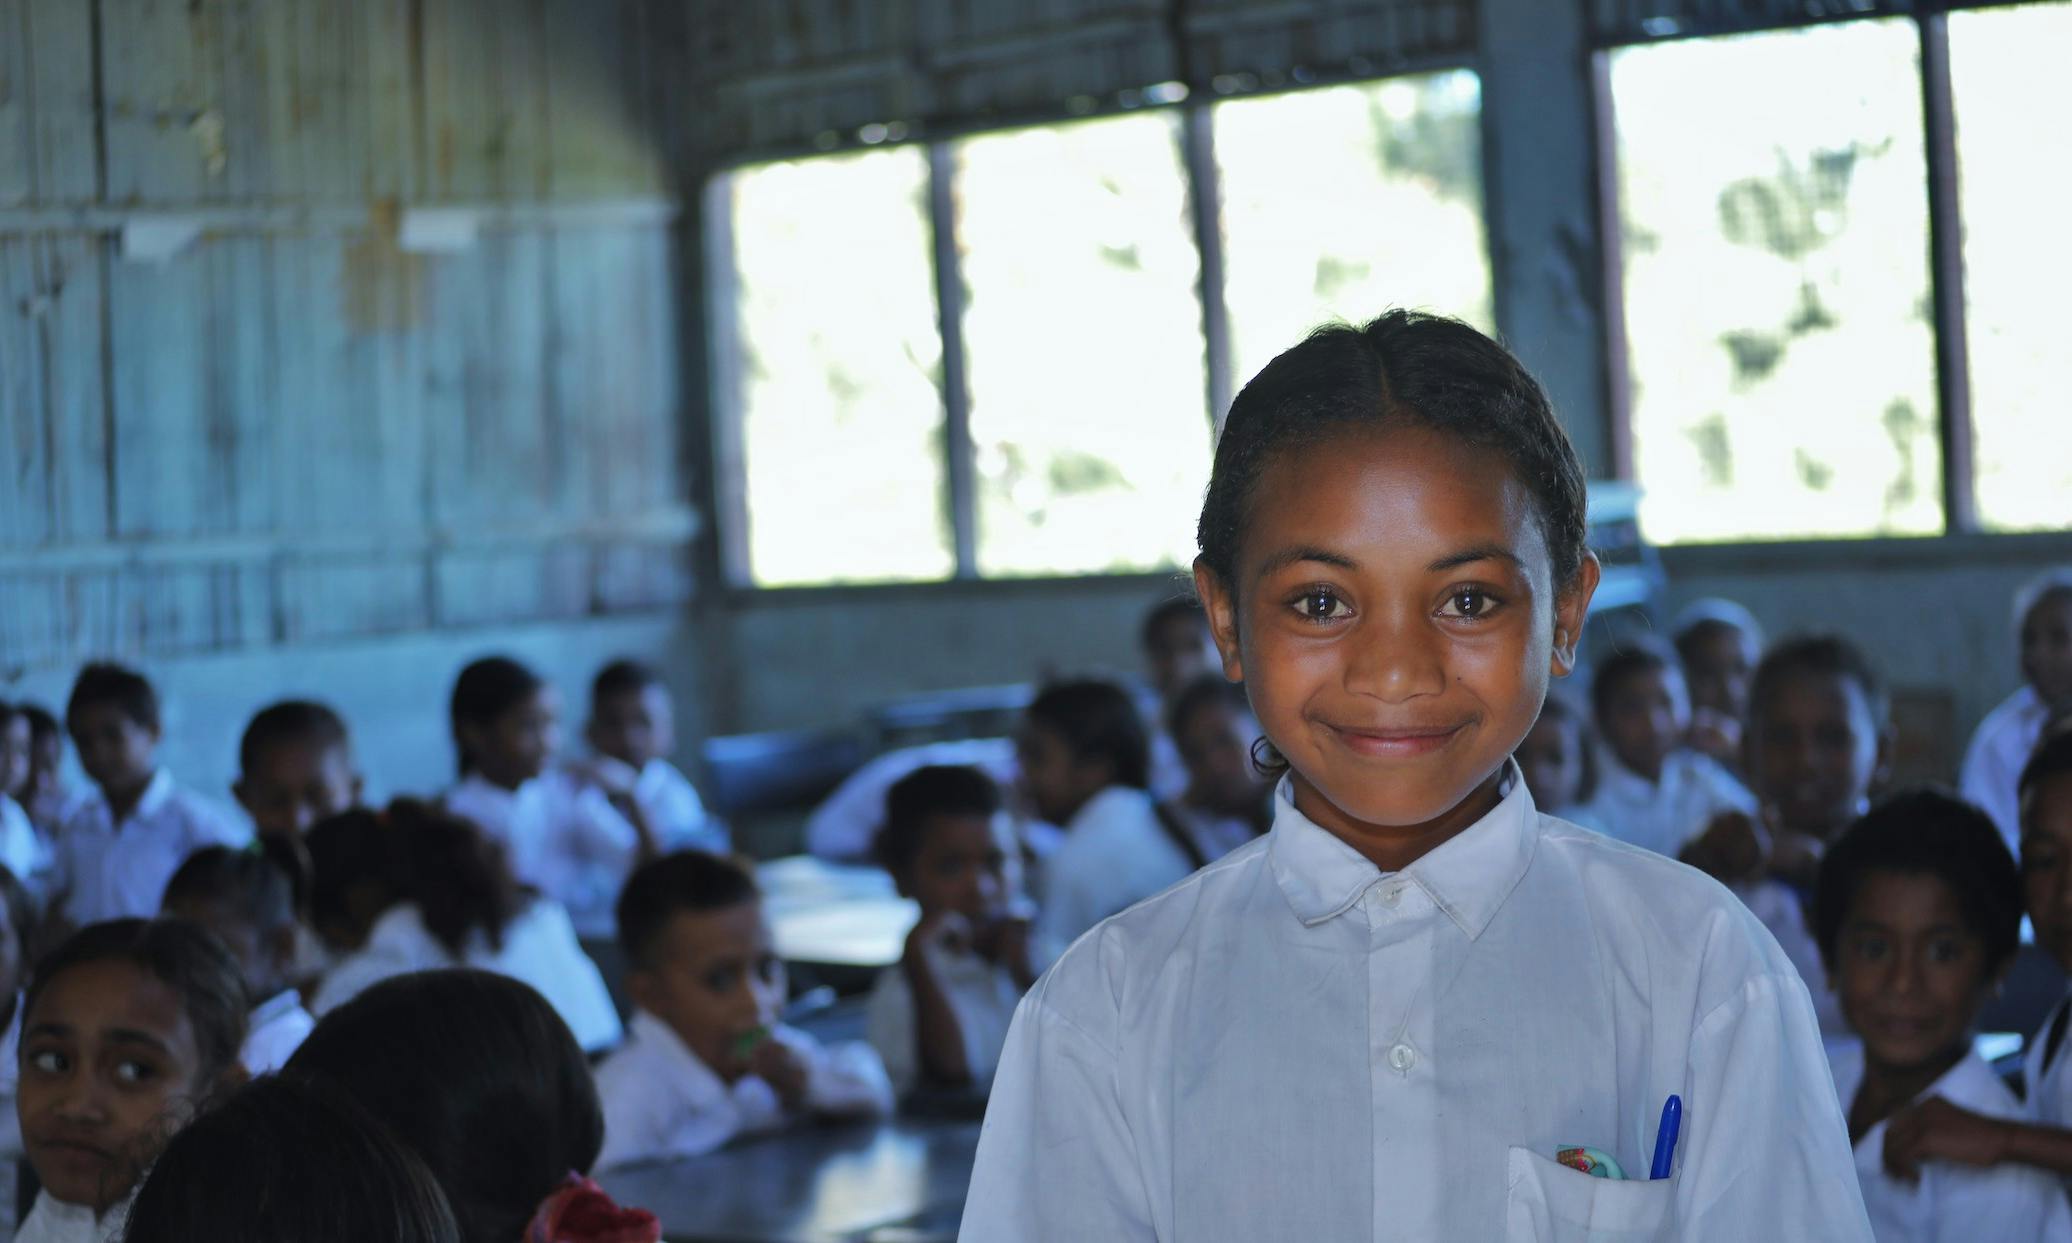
856	364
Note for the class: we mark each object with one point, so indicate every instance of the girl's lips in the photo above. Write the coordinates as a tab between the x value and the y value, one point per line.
1396	743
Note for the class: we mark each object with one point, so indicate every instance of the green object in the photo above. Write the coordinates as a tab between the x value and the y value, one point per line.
1592	1161
745	1043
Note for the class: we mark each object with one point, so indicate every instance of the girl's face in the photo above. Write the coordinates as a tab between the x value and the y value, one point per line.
961	867
515	747
2047	864
1645	718
1910	972
1057	779
14	757
1814	751
110	1069
1394	617
1216	745
1551	757
1717	665
46	757
2047	648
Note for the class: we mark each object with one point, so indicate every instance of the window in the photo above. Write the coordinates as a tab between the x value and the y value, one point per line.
1778	319
2011	98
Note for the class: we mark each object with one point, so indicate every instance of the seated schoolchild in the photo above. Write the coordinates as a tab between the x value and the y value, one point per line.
1228	800
1918	910
939	1016
631	732
247	899
706	1057
1653	790
2006	738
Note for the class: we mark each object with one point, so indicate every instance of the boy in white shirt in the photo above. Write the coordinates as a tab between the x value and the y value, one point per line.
1918	911
1718	643
122	844
246	898
1652	789
2001	746
706	1058
295	768
939	1017
632	729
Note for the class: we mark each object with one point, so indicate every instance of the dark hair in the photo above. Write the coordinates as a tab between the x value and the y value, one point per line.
1637	654
1819	655
128	691
350	852
42	722
8	712
290	721
1562	708
1099	722
178	954
476	1074
2051	758
1925	831
484	691
1167	611
257	884
933	790
457	875
288	1159
622	677
1210	690
21	914
688	880
1402	368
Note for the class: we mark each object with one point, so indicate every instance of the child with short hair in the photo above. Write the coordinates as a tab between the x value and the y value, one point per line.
447	898
569	837
47	798
1399	1014
939	1016
246	898
477	1075
17	939
1558	759
2004	740
1718	642
1177	649
22	849
127	1027
1653	790
1085	764
295	767
707	1057
122	844
632	730
1918	912
1228	801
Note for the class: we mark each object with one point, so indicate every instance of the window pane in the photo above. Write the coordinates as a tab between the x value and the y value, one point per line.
840	360
1778	318
1343	201
2014	168
1082	330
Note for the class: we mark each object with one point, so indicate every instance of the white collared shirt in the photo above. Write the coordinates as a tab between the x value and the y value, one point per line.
1998	752
277	1028
1114	853
982	994
22	849
1954	1203
562	836
1292	1044
1778	907
675	814
662	1101
53	1221
1663	815
117	871
540	949
2050	1088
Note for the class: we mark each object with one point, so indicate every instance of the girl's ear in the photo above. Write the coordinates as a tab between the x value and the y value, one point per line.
1221	608
1571	606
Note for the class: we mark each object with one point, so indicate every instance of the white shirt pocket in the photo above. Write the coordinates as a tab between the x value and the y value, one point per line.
1546	1202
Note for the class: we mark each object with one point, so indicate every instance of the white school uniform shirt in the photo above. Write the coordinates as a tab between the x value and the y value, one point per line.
540	949
1955	1203
53	1221
118	871
277	1028
22	848
1293	1044
2050	1087
1998	752
982	994
675	813
1115	852
662	1101
1661	816
562	835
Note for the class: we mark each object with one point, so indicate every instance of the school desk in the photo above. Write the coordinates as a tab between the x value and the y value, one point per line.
892	1182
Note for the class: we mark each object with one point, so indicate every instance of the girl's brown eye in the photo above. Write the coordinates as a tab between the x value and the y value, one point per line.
1319	605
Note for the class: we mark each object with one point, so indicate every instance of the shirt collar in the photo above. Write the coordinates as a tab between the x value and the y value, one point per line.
1468	876
689	1074
273	1009
156	792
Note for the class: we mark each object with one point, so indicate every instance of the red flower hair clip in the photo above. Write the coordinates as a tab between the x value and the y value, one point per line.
580	1212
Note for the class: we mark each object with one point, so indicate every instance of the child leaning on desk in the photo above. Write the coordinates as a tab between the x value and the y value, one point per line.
1401	1013
705	1058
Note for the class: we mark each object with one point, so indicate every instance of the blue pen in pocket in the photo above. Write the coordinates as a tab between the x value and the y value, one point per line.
1665	1137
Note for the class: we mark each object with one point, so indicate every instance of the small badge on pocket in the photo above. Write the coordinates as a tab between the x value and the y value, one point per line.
1592	1161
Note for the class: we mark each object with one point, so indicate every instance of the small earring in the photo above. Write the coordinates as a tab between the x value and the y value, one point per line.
1561	638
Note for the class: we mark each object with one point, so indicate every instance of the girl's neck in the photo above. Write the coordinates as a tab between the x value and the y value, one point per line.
123	799
1886	1090
1395	847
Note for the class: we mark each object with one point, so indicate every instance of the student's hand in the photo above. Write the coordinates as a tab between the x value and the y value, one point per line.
1936	1130
1716	735
945	928
616	778
1005	943
776	1064
1732	849
1795	859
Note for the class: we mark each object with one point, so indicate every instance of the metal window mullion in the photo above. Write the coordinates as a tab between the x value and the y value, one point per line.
1205	205
726	389
959	465
1946	280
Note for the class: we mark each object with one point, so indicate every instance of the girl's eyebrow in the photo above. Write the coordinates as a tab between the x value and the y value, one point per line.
1479	552
1306	552
132	1036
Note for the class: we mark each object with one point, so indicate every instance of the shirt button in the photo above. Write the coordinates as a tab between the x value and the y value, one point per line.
1401	1058
1391	894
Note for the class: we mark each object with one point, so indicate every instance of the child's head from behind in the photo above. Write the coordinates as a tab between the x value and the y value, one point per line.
632	718
2045	792
1718	643
17	938
246	899
478	1076
1392	560
1077	739
1642	711
506	721
355	875
17	742
1556	759
2043	612
295	767
113	719
288	1159
700	956
1917	911
1177	645
1212	726
1818	737
126	1027
939	841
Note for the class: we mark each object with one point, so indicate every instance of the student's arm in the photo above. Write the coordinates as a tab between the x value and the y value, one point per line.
843	1080
938	1036
1936	1130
